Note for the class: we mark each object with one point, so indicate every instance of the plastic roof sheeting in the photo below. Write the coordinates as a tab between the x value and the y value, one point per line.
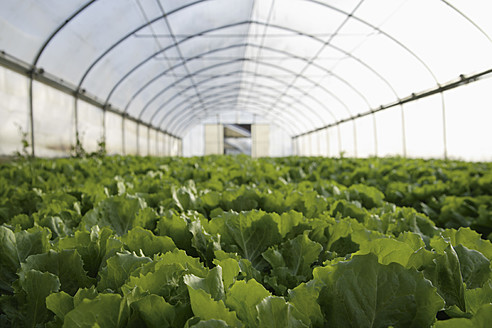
300	64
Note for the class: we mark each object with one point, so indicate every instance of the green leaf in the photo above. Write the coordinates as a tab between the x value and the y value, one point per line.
118	269
243	298
365	293
66	264
470	239
204	243
304	298
274	311
104	310
477	297
247	233
388	251
16	247
165	281
85	293
212	323
481	319
140	239
205	307
291	261
444	272
94	247
116	212
230	270
176	227
212	283
37	286
474	267
154	311
60	304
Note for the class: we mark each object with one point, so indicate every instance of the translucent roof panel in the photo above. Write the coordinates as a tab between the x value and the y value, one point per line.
301	64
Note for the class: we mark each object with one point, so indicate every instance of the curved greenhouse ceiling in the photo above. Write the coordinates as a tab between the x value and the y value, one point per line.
301	65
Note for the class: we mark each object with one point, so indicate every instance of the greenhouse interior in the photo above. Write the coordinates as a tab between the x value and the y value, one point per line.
245	163
317	78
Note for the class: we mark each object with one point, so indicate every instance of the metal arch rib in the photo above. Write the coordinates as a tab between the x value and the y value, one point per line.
242	23
126	36
469	20
224	90
35	62
68	20
203	55
192	105
228	100
214	78
255	108
278	67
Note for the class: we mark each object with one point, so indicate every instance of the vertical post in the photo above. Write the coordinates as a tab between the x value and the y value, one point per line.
76	117
339	140
31	112
318	137
123	134
138	139
375	134
355	138
327	142
103	123
444	133
148	140
404	139
218	136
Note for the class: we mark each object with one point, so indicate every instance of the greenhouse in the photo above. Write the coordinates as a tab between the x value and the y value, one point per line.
245	163
361	78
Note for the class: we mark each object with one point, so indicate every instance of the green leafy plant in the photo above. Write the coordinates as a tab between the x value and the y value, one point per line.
237	242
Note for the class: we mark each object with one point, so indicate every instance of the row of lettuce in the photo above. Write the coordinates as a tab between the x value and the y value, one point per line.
236	242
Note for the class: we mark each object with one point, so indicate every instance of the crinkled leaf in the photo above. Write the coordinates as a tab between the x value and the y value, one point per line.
291	261
116	212
140	239
154	311
481	319
477	297
212	323
204	243
212	283
16	247
243	298
247	233
165	281
274	311
205	307
230	270
118	269
66	264
470	239
444	272
104	310
37	286
305	300
474	267
365	293
83	293
94	247
60	304
388	251
176	227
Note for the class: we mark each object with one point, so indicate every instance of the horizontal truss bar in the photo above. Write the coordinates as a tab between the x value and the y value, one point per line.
462	80
40	75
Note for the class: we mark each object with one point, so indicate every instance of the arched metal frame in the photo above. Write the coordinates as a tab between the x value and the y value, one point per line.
258	62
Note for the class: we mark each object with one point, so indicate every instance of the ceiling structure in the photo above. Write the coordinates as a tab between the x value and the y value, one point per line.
303	65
